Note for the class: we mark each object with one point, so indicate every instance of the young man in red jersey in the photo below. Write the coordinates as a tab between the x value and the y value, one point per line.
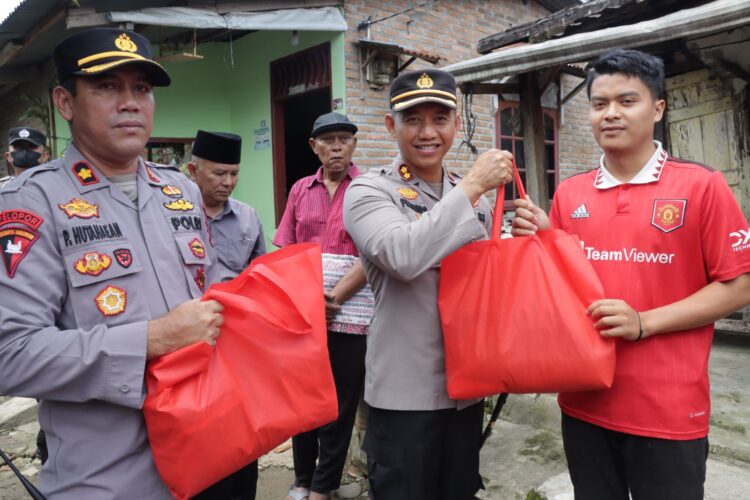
672	249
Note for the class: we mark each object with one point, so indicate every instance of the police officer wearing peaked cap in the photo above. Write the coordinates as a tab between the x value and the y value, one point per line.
26	149
96	276
405	218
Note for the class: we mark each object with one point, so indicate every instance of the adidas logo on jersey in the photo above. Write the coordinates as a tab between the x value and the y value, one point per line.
580	212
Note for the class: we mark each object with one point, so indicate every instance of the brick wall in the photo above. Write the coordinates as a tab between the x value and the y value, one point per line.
577	149
450	29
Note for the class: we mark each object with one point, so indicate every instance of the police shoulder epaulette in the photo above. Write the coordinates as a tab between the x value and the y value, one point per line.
27	174
151	164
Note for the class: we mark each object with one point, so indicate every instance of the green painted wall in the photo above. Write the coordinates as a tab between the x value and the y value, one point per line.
213	94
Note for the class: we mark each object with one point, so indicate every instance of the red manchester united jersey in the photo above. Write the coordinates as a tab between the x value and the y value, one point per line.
666	234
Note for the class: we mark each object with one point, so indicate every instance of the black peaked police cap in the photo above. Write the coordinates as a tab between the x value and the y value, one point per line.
99	50
28	134
218	147
428	85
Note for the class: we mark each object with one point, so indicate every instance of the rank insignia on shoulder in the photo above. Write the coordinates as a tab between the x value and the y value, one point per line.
181	205
200	278
408	193
93	263
123	257
111	301
152	176
196	246
405	173
85	174
172	191
79	208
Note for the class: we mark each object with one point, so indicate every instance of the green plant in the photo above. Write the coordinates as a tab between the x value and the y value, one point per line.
37	109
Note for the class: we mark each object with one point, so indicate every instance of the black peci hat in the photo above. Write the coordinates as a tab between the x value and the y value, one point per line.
429	85
332	121
218	147
28	134
100	50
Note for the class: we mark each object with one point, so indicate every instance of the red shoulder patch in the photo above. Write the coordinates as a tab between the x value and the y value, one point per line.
15	242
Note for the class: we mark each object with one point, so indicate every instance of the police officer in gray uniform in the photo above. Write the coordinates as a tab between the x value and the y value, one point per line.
235	226
26	149
238	238
96	279
405	218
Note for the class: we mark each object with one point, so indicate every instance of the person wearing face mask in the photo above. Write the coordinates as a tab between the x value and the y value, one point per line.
26	149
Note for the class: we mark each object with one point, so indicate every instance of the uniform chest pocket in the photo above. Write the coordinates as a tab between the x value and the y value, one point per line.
192	248
104	281
90	265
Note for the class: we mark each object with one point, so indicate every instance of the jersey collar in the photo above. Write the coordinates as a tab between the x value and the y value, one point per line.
651	171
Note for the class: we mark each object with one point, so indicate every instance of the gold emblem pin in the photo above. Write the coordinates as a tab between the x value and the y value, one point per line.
424	81
124	43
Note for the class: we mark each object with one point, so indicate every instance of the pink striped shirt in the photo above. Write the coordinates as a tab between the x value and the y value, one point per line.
311	216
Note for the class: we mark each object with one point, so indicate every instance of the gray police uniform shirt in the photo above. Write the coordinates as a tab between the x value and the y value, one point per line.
403	231
238	238
5	180
83	272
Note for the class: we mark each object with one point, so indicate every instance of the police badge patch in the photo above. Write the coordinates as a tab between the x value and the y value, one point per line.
111	301
197	248
123	257
93	263
200	278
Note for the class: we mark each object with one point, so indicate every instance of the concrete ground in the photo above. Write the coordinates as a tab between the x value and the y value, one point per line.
523	459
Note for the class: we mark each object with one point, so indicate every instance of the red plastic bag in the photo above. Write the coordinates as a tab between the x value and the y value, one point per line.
513	316
211	411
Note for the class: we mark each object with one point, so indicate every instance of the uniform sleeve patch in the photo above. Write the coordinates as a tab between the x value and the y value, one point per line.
24	217
15	244
111	301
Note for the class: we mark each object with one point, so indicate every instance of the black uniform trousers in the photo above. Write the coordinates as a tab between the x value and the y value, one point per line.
424	455
329	444
610	464
240	485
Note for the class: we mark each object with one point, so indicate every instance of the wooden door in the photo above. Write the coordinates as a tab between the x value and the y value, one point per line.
702	126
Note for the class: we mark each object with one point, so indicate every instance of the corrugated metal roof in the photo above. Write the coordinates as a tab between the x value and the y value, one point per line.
590	16
717	16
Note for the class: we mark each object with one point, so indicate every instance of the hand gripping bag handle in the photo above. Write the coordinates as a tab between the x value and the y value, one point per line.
496	223
271	279
497	219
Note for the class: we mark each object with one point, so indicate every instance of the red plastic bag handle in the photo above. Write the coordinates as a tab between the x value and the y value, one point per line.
497	216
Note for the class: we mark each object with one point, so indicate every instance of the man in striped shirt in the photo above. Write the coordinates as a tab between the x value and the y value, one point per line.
314	214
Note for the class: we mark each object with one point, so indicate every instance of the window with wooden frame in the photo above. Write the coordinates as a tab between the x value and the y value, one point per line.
510	138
